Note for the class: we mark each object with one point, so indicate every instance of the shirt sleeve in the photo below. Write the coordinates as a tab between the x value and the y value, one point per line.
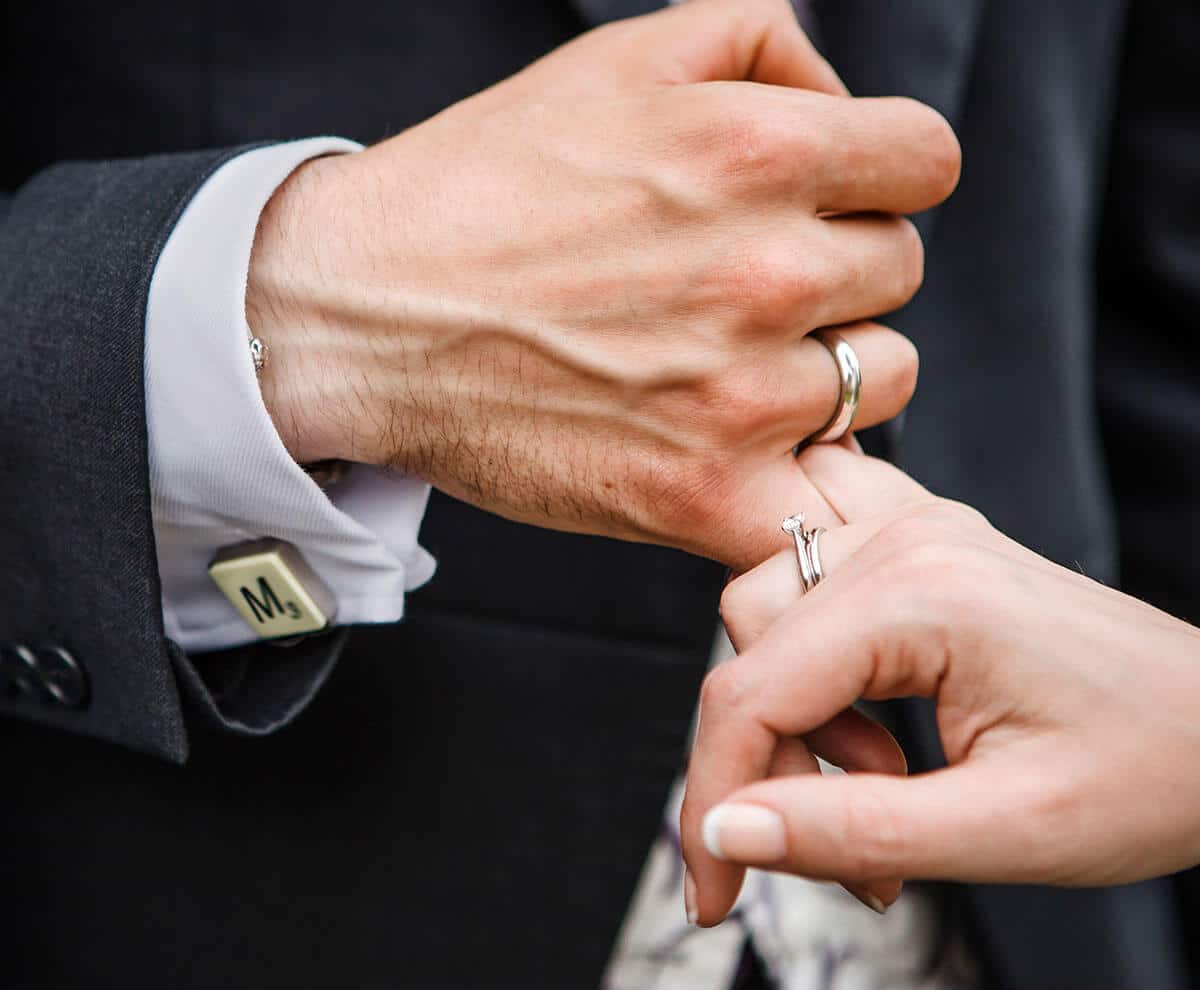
219	473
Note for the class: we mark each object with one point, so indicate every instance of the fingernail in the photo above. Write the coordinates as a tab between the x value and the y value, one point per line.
747	833
869	899
689	898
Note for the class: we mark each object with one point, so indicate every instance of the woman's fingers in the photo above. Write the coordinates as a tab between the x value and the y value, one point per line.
859	828
749	530
860	488
752	601
829	651
798	399
857	744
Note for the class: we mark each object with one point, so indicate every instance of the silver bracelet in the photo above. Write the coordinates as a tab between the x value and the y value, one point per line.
259	352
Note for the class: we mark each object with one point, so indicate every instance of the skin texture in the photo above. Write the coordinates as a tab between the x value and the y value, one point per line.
580	298
1069	713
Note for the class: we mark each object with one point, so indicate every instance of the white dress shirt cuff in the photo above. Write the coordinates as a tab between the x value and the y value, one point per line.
219	474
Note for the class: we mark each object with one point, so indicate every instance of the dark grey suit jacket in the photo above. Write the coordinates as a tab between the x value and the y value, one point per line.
467	798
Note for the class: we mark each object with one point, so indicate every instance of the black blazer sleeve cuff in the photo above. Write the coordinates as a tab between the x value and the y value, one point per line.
82	646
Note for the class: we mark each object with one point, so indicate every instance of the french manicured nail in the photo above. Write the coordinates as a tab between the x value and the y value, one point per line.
745	833
689	898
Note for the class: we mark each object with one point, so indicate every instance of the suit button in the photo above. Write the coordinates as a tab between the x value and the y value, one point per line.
20	669
63	677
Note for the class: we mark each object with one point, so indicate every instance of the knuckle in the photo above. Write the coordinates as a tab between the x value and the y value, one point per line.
908	370
739	603
1057	810
911	262
874	841
911	534
932	532
947	580
724	689
928	577
770	279
746	144
958	515
743	143
749	400
934	566
942	152
899	379
773	11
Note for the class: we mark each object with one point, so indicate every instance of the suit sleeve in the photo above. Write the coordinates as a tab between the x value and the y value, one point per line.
82	646
1148	356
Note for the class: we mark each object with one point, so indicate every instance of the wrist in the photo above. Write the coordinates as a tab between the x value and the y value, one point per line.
294	305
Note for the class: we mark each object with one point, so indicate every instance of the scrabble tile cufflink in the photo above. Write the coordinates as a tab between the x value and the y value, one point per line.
272	587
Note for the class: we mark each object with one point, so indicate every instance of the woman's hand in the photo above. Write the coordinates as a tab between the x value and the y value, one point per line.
1069	713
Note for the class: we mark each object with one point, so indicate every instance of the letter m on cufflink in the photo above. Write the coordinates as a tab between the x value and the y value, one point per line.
273	588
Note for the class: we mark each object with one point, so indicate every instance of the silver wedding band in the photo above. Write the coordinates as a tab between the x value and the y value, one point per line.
808	551
849	391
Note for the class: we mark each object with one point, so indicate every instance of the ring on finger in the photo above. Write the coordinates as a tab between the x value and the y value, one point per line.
808	551
849	390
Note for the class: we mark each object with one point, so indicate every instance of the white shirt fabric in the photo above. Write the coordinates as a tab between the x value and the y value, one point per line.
219	474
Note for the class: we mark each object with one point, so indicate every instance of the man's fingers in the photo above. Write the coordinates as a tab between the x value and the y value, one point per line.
829	155
792	391
875	263
886	155
860	828
888	361
750	533
699	41
758	40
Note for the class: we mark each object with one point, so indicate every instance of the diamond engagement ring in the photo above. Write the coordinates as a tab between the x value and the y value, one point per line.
808	550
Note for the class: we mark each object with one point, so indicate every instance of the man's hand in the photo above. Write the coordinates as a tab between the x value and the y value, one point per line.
1069	713
580	298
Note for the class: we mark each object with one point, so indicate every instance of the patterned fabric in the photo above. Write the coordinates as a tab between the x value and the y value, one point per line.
809	936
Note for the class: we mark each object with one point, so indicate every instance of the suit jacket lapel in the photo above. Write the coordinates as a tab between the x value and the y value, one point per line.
599	11
919	48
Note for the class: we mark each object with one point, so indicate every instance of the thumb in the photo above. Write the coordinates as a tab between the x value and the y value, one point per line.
757	40
708	41
862	827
